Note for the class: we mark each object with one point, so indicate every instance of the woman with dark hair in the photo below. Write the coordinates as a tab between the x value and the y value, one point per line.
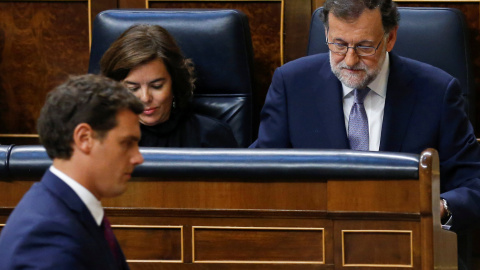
148	61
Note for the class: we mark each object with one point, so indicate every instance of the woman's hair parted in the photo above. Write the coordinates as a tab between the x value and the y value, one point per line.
143	43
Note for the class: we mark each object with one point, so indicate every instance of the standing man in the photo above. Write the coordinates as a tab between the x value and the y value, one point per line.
361	96
89	127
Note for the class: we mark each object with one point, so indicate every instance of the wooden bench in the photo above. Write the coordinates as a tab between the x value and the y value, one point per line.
268	209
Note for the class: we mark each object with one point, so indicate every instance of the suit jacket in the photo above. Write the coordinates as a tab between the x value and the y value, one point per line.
51	228
423	109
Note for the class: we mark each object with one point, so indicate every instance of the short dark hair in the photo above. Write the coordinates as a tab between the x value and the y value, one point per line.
352	9
91	99
143	43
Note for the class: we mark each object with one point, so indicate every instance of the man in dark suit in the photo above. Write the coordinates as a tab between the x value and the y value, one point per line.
359	96
89	127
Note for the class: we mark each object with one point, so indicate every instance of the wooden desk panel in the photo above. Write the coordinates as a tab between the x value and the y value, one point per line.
197	223
221	194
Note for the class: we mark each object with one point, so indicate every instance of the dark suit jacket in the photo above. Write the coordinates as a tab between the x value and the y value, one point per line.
423	109
51	228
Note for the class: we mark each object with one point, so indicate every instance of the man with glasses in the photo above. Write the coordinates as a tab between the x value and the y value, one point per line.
360	96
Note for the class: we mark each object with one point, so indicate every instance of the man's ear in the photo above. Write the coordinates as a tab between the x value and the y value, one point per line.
83	137
392	38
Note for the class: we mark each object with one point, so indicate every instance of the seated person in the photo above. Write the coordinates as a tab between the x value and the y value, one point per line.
361	96
148	61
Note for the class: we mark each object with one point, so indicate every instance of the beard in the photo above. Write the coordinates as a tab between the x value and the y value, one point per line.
363	78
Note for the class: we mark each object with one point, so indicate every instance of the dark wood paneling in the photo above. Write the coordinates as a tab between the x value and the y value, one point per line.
243	224
259	244
41	43
390	193
219	194
265	24
228	218
13	192
385	242
397	246
140	242
98	6
132	3
19	139
297	25
387	248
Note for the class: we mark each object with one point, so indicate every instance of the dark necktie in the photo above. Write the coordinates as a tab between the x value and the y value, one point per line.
111	240
358	122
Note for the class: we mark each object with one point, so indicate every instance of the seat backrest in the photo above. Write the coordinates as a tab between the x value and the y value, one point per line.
218	42
437	36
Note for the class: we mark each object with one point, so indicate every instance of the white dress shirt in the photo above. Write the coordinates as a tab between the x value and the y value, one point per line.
374	104
93	205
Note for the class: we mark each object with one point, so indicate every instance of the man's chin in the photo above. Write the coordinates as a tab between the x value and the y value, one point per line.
354	83
117	191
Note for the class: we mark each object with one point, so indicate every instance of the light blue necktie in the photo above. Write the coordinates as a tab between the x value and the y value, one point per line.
358	122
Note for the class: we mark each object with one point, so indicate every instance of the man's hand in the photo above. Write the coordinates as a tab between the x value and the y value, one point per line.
443	213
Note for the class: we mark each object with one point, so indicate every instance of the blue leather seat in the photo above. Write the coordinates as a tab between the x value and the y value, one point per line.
4	156
218	42
437	36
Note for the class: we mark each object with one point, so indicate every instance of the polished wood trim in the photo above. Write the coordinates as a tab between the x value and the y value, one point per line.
258	228
217	0
282	29
18	135
156	212
226	213
373	216
378	231
45	1
438	1
133	226
212	213
156	227
430	178
90	25
432	241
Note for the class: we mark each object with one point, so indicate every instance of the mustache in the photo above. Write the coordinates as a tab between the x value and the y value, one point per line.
358	66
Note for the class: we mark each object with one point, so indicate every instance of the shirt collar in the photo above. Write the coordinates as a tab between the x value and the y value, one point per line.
379	85
92	203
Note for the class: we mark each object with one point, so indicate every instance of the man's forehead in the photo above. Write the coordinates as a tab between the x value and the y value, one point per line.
367	23
127	124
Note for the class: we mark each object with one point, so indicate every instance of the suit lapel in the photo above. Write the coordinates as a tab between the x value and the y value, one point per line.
65	194
399	104
330	96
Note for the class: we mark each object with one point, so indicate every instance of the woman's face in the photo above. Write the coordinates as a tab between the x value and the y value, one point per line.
152	84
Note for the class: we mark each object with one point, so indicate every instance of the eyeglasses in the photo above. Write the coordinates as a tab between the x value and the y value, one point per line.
342	49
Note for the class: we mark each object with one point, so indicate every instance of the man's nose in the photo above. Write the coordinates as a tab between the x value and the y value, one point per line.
351	58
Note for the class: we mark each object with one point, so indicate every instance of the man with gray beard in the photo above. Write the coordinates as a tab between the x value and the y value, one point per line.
361	96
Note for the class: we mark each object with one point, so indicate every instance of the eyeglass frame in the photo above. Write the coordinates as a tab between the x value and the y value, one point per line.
353	47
